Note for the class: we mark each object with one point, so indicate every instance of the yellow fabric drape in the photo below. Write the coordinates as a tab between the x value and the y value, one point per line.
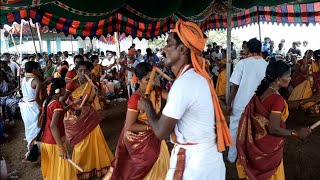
87	89
221	83
96	70
304	90
278	174
160	168
93	153
53	166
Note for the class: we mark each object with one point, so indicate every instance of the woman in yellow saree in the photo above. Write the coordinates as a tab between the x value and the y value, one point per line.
306	83
83	132
262	129
222	79
140	154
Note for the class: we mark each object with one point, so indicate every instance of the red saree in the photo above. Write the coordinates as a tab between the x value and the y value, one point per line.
136	153
259	153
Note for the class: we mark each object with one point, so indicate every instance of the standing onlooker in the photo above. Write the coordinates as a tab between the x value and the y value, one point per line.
245	79
266	44
294	49
217	55
151	57
31	102
233	52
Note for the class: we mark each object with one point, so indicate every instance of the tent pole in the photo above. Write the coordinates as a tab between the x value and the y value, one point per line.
259	23
34	43
14	43
39	36
116	35
7	43
71	45
91	45
21	29
229	60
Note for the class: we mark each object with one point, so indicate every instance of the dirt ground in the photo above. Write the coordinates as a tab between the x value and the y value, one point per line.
301	157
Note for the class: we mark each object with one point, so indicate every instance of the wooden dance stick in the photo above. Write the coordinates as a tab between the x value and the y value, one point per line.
86	97
163	74
313	126
150	82
91	82
74	164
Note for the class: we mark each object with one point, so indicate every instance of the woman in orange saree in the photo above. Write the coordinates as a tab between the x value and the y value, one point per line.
140	154
262	129
83	132
306	83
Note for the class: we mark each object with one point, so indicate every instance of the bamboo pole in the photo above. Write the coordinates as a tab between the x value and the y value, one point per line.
34	43
116	35
229	60
39	36
14	43
313	126
259	23
21	29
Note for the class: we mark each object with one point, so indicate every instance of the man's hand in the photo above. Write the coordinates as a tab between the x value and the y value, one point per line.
143	104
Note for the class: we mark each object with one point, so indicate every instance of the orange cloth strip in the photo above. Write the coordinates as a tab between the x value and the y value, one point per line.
193	38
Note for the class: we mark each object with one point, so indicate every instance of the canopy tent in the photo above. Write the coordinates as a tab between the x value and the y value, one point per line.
15	29
142	19
145	20
282	14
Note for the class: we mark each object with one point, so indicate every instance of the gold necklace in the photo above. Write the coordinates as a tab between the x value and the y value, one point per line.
274	89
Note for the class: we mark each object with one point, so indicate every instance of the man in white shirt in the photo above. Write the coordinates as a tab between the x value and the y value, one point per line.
217	55
189	115
14	67
108	61
245	79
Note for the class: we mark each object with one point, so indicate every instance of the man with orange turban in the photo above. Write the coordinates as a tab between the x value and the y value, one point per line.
192	116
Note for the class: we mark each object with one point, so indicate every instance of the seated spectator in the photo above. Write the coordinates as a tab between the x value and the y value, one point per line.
7	98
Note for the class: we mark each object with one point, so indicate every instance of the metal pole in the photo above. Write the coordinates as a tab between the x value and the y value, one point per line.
229	60
34	43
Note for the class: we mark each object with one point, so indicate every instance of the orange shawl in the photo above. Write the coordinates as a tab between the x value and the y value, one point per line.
193	38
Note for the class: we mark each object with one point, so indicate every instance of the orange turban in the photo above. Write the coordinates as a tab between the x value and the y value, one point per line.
193	38
132	52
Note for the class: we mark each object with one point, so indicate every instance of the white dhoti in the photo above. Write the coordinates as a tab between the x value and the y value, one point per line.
234	123
201	161
30	112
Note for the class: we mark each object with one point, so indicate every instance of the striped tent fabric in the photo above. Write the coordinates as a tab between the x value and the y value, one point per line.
286	13
114	23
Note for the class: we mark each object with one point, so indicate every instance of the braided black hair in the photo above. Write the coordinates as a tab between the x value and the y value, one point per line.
274	71
56	83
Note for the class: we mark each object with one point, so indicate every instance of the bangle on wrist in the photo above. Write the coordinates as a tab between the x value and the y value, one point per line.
293	133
